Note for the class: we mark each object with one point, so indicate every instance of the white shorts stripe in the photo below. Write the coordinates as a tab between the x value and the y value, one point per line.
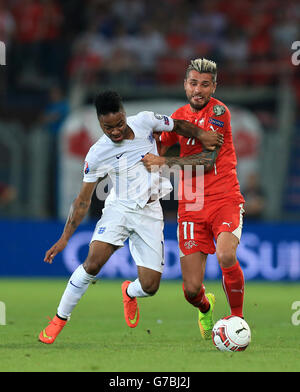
238	231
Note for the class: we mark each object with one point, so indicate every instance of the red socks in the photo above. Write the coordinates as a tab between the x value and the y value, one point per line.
200	301
233	285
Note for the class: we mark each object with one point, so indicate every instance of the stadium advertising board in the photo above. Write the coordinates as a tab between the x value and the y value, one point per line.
267	251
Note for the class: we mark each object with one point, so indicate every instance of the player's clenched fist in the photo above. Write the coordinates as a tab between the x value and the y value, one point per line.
153	162
210	140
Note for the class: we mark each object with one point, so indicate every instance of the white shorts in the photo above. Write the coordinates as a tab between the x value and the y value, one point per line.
142	226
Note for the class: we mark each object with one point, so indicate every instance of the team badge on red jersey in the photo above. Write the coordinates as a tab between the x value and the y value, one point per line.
219	110
190	244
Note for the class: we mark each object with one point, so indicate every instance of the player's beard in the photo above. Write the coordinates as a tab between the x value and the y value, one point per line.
198	106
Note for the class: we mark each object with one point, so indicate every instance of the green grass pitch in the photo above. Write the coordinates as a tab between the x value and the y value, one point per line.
167	338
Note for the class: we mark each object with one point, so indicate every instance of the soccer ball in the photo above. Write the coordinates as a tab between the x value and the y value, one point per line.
231	334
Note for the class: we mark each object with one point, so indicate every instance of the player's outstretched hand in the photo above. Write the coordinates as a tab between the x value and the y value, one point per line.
210	140
54	250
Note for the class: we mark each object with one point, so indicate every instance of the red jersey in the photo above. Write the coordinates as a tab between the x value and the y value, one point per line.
221	182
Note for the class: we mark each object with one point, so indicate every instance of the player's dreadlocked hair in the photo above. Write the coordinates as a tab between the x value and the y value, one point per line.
108	102
203	66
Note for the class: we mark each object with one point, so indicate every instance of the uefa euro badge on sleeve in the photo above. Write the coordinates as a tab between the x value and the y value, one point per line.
219	110
162	117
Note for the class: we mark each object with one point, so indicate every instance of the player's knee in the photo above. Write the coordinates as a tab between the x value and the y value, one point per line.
92	265
191	290
98	255
226	258
150	287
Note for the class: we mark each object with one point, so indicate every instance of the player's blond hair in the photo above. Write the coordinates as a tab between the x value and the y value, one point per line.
203	66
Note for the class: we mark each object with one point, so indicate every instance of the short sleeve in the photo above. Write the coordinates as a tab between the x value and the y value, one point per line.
92	171
157	122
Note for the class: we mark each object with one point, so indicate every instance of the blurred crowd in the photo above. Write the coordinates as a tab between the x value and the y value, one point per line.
54	44
143	42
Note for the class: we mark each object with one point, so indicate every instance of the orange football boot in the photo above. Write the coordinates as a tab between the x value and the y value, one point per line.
131	309
50	333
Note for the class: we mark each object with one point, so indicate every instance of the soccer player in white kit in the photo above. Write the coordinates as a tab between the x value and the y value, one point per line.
132	209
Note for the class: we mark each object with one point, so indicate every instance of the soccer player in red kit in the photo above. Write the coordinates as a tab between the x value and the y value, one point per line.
217	224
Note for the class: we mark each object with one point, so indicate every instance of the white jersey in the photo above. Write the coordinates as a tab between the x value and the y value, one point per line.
132	183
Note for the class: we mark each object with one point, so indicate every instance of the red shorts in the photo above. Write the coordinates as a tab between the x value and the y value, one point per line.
198	235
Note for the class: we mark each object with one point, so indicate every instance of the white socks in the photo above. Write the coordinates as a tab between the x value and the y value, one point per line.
134	289
76	287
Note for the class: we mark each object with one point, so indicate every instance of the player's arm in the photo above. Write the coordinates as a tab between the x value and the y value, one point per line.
205	158
162	123
161	148
208	139
78	211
